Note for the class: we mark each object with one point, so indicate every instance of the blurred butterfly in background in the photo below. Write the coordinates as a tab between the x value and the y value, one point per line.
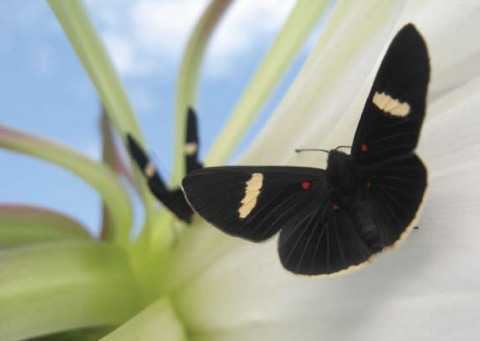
335	219
174	199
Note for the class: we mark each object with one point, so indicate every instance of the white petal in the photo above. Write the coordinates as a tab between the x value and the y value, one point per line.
451	31
428	288
334	73
451	136
357	32
156	322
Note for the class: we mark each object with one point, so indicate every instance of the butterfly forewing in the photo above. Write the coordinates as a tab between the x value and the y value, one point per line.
393	178
252	202
395	108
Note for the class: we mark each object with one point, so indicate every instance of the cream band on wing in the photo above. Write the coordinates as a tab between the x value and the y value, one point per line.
191	148
390	105
149	170
252	190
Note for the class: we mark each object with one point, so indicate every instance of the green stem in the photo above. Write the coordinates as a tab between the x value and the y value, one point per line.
98	175
188	77
286	46
90	50
109	158
84	39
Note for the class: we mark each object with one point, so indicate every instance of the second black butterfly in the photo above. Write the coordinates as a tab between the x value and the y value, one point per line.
174	199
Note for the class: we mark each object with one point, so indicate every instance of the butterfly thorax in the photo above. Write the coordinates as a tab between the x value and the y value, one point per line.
341	173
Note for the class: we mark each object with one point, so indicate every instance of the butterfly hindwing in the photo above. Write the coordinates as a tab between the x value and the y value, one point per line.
390	200
252	202
324	241
395	108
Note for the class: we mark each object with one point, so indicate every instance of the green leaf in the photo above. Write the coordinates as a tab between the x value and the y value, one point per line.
90	50
156	322
291	38
20	225
48	288
188	76
98	175
87	334
82	34
321	97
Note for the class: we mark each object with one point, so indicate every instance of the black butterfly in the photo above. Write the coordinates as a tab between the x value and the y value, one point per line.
335	219
174	200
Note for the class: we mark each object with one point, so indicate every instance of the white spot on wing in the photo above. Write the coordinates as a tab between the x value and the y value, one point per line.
390	105
252	190
191	148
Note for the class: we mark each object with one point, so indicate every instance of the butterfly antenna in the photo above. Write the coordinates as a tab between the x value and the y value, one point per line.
344	147
311	150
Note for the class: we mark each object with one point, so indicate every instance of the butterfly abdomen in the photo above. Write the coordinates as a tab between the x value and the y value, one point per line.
366	226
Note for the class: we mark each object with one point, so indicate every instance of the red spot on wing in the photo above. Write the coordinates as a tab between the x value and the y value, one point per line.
306	184
369	184
336	207
363	147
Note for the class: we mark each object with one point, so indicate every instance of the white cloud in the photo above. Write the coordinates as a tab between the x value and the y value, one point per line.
122	52
147	35
164	26
247	25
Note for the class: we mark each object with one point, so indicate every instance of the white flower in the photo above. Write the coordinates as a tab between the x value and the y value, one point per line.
425	290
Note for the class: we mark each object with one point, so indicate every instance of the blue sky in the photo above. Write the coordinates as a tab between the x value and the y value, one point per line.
45	91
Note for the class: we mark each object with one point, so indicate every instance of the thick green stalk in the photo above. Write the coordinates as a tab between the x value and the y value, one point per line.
48	288
84	39
90	50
